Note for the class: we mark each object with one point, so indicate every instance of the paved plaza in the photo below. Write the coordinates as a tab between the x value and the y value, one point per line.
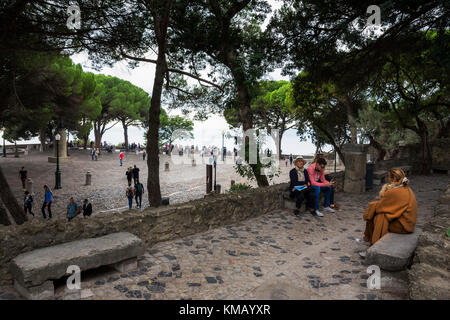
274	256
182	183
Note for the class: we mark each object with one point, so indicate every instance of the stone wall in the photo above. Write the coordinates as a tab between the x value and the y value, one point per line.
429	276
151	225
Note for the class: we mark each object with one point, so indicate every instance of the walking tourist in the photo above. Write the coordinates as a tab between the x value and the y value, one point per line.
121	158
48	199
395	212
129	193
87	208
144	154
72	209
138	191
299	177
92	154
23	177
319	184
97	152
286	160
291	159
28	203
129	175
135	174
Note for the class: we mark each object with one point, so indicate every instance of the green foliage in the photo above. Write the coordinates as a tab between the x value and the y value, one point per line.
237	187
173	128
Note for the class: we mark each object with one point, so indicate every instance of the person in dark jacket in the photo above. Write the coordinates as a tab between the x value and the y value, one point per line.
129	174
135	171
299	177
87	208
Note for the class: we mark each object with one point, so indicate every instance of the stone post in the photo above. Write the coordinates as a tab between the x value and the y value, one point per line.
88	178
166	166
233	182
355	168
218	188
29	186
193	163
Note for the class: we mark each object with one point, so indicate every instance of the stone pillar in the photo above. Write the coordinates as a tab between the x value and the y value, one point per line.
166	166
218	188
63	158
232	182
29	186
88	178
355	168
193	163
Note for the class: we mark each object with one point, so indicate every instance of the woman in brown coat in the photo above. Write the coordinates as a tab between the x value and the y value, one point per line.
396	210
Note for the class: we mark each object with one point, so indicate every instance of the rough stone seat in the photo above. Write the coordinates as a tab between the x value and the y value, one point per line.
379	177
394	251
34	271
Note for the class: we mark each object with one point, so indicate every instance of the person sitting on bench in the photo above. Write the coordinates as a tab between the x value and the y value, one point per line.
396	211
319	183
299	177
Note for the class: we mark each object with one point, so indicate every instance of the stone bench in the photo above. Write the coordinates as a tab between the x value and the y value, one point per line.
379	177
34	271
394	251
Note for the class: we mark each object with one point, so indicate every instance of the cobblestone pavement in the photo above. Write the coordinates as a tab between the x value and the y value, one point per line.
274	256
182	183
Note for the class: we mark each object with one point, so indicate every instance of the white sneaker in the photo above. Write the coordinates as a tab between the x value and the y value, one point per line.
328	209
318	213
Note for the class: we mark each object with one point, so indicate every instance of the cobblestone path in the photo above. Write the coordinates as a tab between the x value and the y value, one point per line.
274	256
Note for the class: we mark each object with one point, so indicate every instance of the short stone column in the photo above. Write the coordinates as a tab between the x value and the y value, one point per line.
218	188
88	178
29	186
193	163
233	182
355	168
166	166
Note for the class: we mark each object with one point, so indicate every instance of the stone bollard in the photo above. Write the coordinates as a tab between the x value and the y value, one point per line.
233	182
166	166
355	168
193	163
29	186
88	178
218	188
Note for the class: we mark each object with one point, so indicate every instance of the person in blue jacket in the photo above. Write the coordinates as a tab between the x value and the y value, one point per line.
299	177
47	202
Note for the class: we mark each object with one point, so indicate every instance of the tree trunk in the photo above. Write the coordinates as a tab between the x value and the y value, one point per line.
351	120
10	201
153	187
98	135
42	138
85	141
125	133
247	124
4	219
381	152
427	157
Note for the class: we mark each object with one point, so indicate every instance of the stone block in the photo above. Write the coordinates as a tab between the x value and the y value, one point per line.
35	267
72	294
289	204
126	265
393	252
40	292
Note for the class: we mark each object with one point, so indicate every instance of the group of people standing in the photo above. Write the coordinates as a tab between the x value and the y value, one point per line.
73	209
135	192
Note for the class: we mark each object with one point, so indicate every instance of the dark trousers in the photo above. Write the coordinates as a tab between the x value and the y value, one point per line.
300	197
23	182
138	197
130	202
27	208
49	206
129	182
135	179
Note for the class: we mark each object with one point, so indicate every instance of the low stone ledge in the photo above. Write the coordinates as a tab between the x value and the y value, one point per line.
36	267
393	252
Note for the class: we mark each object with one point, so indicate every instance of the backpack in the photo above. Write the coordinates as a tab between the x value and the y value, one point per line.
139	187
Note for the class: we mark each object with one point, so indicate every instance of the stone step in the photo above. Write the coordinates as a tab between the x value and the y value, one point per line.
393	251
